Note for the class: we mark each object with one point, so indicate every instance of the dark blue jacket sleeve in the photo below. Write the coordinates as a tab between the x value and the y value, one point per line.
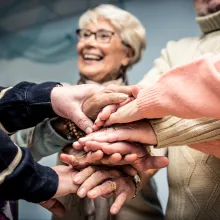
25	105
21	177
21	107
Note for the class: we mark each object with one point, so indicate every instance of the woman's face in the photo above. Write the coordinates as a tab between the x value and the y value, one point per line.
101	61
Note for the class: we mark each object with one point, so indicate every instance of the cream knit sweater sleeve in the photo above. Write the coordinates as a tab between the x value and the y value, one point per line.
173	131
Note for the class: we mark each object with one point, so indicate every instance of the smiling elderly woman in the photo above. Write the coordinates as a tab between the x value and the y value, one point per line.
111	40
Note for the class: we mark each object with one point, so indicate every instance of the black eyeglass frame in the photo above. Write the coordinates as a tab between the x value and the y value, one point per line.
95	34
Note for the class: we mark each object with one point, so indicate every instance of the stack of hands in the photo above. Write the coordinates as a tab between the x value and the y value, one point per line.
114	154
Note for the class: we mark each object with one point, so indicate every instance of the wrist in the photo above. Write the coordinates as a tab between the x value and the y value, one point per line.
60	127
67	129
146	176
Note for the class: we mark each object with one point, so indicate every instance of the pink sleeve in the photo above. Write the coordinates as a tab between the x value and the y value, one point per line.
188	91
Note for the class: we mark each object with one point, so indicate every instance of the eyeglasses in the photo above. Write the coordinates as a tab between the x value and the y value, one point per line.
102	36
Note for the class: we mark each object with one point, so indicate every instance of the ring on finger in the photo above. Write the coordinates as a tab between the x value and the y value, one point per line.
113	186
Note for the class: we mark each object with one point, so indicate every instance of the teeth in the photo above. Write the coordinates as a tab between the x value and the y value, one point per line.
91	57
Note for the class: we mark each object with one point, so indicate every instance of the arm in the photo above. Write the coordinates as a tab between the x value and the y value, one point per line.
188	91
202	134
48	137
21	177
25	105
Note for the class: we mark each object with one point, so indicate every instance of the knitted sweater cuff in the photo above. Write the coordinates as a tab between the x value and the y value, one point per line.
174	131
149	101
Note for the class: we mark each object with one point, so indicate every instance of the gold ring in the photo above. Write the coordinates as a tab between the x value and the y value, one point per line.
113	185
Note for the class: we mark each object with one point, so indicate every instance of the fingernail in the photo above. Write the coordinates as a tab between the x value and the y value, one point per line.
82	140
114	210
88	130
76	179
86	149
92	194
123	97
82	192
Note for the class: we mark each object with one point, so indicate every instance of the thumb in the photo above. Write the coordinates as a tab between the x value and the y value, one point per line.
124	114
81	121
54	206
112	98
155	162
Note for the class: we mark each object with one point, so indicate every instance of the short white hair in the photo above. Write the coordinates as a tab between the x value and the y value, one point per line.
128	26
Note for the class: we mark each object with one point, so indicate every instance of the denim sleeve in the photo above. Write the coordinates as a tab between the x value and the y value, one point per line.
25	105
21	177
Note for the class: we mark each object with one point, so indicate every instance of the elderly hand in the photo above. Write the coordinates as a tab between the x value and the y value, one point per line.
112	94
143	160
116	114
80	159
101	181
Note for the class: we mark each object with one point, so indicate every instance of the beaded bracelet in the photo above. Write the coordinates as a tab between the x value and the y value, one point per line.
73	130
137	183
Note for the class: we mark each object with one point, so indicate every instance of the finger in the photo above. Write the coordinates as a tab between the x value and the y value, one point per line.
98	124
94	146
119	201
117	159
82	121
81	176
95	179
121	89
111	98
68	159
93	157
103	189
155	162
103	115
82	161
123	148
78	146
129	170
125	114
54	206
90	158
130	158
113	159
107	111
89	137
106	135
107	195
125	102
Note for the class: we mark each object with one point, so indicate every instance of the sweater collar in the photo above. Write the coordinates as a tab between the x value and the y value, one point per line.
209	23
119	81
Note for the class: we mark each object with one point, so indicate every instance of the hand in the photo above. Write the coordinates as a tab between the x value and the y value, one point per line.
112	94
79	158
140	131
142	162
106	112
100	181
67	102
65	187
55	207
125	113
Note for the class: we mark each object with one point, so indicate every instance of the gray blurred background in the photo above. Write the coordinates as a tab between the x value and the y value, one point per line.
37	43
